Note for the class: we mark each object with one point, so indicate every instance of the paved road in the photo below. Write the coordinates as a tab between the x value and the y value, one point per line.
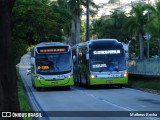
120	101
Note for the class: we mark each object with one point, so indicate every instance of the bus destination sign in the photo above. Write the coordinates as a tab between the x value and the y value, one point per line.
52	49
107	52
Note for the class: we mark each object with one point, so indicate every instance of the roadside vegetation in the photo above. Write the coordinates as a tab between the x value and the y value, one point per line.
23	99
148	84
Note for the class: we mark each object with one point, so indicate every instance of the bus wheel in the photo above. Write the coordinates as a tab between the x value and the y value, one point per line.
76	80
67	87
119	86
38	88
88	85
33	86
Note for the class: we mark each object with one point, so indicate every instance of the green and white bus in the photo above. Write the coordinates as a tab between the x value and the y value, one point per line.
52	65
100	62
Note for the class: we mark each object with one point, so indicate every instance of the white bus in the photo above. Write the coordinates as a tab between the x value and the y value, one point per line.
100	62
52	65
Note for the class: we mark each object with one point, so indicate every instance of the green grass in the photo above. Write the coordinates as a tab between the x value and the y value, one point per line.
142	82
23	99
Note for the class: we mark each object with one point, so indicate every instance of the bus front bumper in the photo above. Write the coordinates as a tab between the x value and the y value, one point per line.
103	81
53	83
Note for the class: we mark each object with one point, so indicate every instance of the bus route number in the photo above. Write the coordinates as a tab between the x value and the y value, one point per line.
43	67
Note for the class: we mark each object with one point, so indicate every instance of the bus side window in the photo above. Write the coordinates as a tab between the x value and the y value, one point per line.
80	57
74	56
84	61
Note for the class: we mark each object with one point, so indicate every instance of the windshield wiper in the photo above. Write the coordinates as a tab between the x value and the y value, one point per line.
117	69
101	70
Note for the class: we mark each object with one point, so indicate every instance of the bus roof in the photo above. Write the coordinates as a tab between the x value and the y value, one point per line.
51	44
107	43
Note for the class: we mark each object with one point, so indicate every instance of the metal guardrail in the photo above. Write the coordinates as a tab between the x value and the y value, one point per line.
144	67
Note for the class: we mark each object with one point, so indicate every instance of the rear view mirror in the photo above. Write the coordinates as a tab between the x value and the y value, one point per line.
29	71
74	59
32	60
87	56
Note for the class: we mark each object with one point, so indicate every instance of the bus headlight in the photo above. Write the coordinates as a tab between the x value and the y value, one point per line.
69	76
93	76
125	74
40	77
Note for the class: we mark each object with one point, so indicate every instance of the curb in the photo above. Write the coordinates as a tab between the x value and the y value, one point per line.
144	89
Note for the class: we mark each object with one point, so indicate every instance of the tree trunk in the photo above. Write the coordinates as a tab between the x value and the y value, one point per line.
87	21
73	30
141	47
78	30
8	79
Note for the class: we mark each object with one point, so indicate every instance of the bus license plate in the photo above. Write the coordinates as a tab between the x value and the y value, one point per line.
54	83
109	81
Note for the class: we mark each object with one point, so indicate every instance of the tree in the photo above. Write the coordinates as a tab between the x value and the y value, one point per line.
113	1
110	28
63	17
98	28
75	6
153	27
75	28
136	23
8	83
33	22
119	19
87	20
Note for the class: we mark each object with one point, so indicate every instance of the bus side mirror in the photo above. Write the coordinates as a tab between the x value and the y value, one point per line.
87	56
74	59
32	60
29	71
126	54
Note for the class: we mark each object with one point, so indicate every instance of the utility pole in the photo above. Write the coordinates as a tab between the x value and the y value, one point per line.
87	21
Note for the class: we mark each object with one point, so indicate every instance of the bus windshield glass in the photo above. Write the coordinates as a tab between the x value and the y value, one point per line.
107	61
53	64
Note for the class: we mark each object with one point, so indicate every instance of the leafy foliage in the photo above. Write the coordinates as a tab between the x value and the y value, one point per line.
36	21
132	28
33	21
113	1
110	28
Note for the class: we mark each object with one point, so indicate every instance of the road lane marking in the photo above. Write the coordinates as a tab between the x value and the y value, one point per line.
92	95
115	105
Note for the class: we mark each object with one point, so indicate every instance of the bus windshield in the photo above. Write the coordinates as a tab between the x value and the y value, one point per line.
109	62
53	64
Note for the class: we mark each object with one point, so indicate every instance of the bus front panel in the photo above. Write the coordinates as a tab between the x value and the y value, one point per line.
38	82
53	69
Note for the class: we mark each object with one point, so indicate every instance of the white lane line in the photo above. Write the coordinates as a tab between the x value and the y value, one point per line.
115	105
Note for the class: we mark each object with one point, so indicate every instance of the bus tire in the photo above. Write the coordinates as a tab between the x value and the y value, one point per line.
67	87
38	88
87	83
120	86
33	86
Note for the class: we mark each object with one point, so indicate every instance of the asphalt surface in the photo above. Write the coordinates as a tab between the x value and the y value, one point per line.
98	103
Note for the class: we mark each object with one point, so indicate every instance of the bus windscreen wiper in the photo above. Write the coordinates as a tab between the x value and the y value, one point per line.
116	69
102	69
